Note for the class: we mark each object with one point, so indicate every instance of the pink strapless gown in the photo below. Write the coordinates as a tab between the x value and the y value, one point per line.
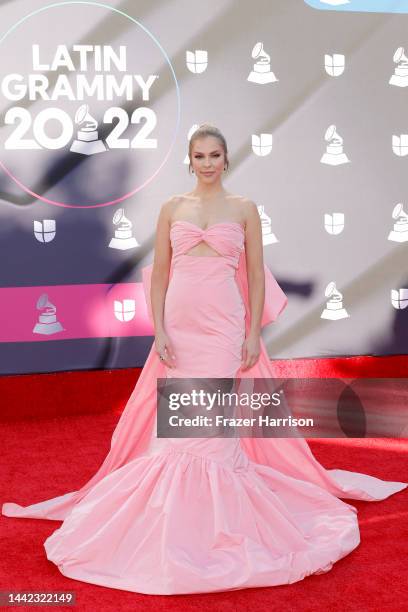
167	516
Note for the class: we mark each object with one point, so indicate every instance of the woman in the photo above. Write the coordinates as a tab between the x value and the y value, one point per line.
193	515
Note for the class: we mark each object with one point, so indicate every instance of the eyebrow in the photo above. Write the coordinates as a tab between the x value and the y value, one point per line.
216	151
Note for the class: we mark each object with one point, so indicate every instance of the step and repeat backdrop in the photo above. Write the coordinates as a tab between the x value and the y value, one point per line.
98	102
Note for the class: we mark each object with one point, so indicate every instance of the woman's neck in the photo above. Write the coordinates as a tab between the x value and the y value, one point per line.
209	192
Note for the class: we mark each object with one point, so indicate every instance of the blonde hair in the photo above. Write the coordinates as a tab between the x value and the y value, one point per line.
206	129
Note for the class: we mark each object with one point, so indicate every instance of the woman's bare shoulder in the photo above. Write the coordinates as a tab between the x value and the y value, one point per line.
175	200
168	207
172	206
247	207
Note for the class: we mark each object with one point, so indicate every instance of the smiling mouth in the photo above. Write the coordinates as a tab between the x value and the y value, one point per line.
208	173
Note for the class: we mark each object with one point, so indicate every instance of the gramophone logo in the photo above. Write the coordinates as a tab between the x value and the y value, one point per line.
268	237
261	72
66	101
399	233
87	141
334	155
123	238
334	306
47	323
400	76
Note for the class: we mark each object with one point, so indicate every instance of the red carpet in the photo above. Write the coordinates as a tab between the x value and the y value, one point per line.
372	578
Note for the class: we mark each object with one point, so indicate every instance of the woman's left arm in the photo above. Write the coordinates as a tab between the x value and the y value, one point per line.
256	285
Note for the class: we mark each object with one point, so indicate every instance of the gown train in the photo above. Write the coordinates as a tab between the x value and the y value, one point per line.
167	516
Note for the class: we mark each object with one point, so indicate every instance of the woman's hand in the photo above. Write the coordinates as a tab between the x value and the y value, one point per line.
165	349
251	350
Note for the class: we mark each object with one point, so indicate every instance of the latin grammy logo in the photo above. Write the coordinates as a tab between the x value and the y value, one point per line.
87	141
261	72
47	321
123	238
334	306
334	155
400	231
268	237
400	76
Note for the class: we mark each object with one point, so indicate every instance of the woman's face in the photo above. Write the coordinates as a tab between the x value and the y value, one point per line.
207	158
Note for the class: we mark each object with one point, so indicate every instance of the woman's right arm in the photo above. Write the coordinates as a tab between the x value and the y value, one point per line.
159	283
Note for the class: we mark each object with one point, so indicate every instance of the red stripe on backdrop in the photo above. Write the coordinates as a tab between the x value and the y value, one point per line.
95	391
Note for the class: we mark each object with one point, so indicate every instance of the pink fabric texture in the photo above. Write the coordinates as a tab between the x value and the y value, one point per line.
195	515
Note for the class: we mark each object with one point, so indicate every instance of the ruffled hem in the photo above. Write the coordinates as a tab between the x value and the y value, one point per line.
180	523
